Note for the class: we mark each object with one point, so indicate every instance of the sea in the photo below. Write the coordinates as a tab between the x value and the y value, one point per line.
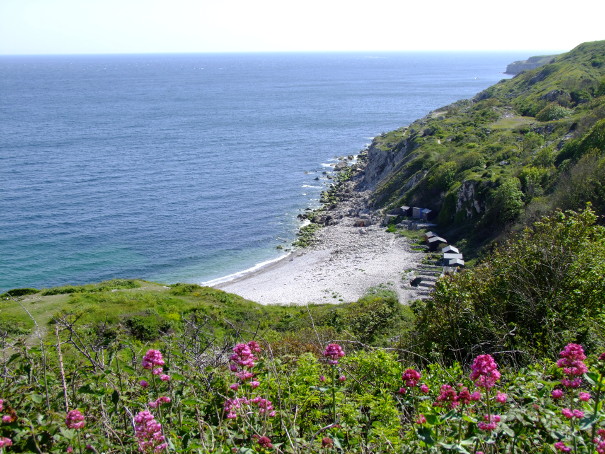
192	167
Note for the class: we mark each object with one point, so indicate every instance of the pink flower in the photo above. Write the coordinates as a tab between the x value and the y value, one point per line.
149	433
570	414
165	377
322	378
143	383
151	359
7	418
1	405
599	441
254	384
411	377
578	414
572	362
334	352
234	386
476	396
584	397
265	442
557	393
490	424
5	442
501	397
560	446
421	419
447	397
342	378
484	371
74	420
157	371
242	360
69	449
402	390
424	389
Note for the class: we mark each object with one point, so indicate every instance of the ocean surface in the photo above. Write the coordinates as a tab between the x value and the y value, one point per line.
189	168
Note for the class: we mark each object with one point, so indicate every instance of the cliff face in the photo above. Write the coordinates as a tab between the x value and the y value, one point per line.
518	67
508	150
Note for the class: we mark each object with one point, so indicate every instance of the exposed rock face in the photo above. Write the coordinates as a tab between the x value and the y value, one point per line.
468	200
381	163
531	63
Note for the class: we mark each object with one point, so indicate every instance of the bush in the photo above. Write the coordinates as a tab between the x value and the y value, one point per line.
552	112
16	292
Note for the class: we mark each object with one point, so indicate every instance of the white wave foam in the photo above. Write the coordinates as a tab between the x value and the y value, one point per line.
231	277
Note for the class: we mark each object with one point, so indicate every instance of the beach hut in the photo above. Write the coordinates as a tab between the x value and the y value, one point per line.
451	256
426	214
435	242
406	210
417	213
428	235
452	249
455	263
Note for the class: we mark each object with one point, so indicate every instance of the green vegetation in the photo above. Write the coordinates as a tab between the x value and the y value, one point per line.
518	150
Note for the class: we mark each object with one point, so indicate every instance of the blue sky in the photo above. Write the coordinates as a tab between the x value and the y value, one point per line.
141	26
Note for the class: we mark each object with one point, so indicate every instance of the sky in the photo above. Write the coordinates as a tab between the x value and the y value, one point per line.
161	26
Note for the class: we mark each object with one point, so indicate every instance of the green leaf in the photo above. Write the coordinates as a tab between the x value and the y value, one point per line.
586	423
454	447
507	430
425	434
592	378
37	398
115	397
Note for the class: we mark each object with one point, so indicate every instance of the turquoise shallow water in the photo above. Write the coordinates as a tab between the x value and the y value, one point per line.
190	167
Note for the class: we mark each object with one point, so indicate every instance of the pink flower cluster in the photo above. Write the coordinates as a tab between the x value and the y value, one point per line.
159	401
562	447
334	352
572	362
599	441
75	420
449	397
570	414
411	378
484	371
491	422
232	406
153	361
242	361
5	442
263	441
149	433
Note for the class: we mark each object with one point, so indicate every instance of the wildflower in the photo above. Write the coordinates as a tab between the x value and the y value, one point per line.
570	414
333	352
342	378
490	424
254	384
242	360
501	397
447	396
152	358
69	449
602	357
158	371
421	419
234	386
464	396
144	383
411	377
264	406
476	396
7	419
149	433
322	378
165	377
572	362
560	446
402	391
424	389
232	405
484	371
584	397
74	420
599	441
1	405
557	393
265	442
5	442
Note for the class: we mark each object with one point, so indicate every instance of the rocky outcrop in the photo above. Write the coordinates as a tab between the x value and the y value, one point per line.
531	63
468	200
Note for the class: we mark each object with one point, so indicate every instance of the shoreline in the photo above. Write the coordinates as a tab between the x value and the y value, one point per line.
349	255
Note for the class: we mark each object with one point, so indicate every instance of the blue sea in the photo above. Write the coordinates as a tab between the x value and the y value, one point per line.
189	168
